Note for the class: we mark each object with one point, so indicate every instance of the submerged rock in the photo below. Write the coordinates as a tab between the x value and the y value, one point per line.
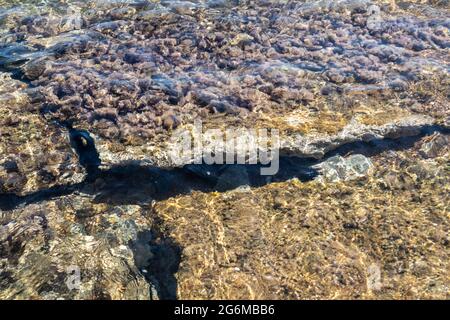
338	168
437	145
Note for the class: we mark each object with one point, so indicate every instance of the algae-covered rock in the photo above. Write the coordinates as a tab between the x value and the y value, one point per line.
35	154
129	72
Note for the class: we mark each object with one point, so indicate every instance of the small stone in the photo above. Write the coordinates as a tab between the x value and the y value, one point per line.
14	182
132	58
11	166
170	122
398	85
338	168
435	147
327	90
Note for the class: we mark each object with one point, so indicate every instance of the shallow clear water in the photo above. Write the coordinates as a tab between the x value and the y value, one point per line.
92	92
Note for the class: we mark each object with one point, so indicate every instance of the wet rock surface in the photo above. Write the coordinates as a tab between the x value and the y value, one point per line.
91	93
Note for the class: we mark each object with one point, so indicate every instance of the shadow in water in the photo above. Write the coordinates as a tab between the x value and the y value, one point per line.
157	257
133	183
